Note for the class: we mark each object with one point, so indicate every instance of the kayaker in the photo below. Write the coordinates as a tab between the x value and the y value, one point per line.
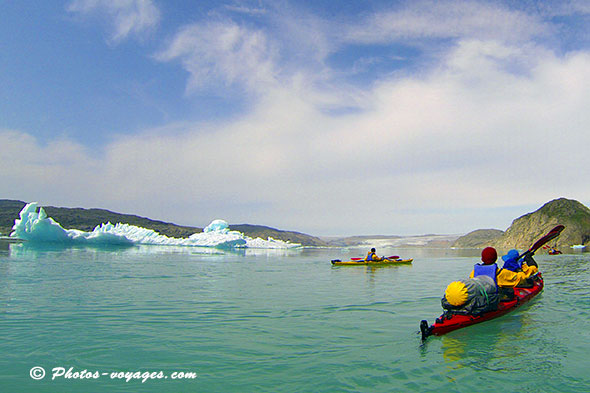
372	256
512	274
488	267
515	272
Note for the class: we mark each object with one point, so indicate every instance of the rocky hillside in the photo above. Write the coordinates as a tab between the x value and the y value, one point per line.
265	232
88	219
478	238
9	210
525	230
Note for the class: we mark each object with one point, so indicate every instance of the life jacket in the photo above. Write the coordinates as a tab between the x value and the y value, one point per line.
370	256
486	270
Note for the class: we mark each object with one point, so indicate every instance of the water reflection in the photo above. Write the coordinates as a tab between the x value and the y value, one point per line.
493	345
35	250
453	351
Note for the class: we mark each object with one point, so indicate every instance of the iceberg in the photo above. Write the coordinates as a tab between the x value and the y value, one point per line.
35	226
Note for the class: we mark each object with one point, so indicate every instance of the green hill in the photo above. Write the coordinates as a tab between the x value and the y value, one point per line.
478	238
9	210
525	230
88	219
264	232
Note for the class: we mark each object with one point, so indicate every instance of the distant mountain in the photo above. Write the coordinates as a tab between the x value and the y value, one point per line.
88	219
526	229
478	238
266	232
523	232
351	241
387	241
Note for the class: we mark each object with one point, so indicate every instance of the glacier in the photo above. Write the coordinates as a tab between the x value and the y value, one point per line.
35	226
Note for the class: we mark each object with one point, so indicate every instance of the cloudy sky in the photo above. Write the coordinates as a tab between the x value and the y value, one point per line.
320	116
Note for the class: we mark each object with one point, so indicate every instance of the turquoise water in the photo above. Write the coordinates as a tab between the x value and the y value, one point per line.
278	321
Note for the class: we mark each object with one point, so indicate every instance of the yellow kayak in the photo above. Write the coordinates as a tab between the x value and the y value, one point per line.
363	262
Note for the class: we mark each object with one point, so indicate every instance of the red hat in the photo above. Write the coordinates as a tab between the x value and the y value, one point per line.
489	255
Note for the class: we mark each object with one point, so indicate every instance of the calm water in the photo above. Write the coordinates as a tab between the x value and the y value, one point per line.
278	322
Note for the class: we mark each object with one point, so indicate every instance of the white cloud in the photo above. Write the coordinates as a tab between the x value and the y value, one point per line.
224	52
447	19
128	17
60	170
292	46
426	155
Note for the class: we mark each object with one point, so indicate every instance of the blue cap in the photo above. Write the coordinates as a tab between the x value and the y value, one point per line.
512	255
511	261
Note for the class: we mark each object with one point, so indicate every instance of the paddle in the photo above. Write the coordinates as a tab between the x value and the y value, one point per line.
552	234
361	259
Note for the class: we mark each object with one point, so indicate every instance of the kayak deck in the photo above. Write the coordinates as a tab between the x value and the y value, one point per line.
337	262
449	322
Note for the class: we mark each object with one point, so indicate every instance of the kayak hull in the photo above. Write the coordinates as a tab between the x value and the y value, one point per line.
449	322
373	263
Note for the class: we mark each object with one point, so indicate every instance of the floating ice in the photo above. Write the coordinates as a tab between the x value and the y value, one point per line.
36	226
217	226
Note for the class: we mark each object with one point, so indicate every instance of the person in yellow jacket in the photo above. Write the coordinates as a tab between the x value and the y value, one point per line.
372	256
515	273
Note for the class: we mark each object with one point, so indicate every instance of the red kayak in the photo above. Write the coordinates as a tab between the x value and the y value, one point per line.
449	322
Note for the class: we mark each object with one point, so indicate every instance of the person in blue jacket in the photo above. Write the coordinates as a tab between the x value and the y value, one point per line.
488	267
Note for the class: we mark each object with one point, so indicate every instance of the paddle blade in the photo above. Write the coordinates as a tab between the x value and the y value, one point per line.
552	234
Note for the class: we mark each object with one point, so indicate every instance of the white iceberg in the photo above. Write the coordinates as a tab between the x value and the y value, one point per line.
34	225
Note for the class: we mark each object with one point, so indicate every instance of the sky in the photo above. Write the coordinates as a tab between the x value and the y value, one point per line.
330	118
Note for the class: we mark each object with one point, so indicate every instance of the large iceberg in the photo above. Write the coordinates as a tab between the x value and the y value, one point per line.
35	226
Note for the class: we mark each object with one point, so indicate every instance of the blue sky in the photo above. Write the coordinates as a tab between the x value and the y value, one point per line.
325	117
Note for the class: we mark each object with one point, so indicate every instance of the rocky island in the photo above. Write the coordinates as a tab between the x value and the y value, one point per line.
529	227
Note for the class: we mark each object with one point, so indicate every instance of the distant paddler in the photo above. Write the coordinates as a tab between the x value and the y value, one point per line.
372	256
